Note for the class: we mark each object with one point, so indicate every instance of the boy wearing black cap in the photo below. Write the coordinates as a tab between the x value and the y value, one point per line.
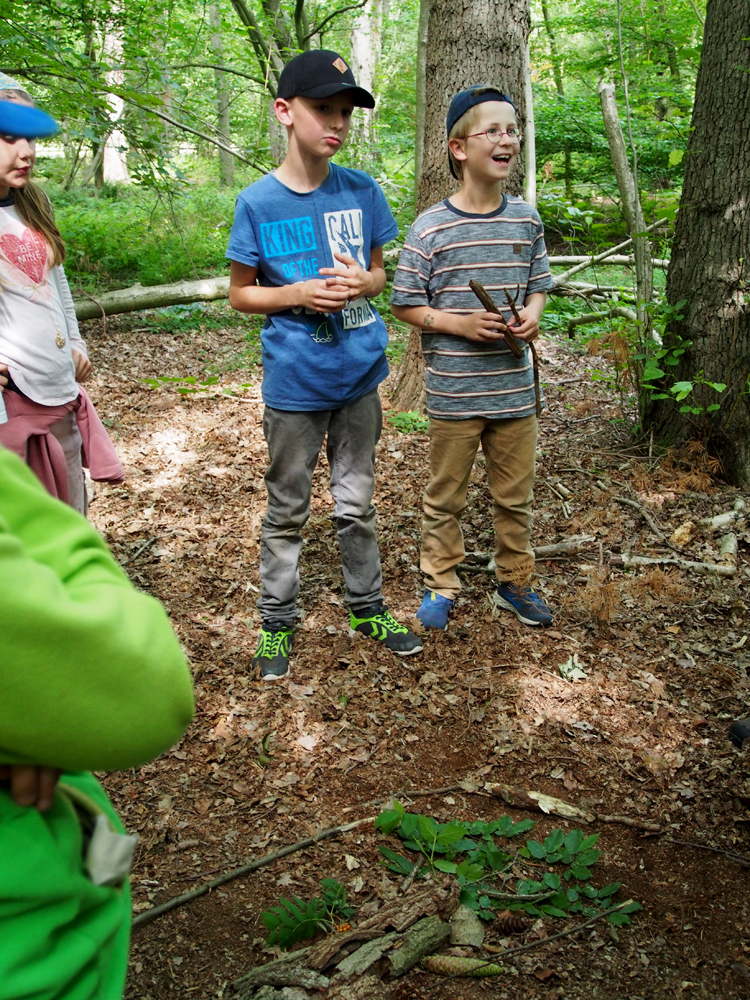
477	391
306	251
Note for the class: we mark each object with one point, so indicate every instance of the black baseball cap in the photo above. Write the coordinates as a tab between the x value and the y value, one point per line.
321	73
480	93
24	122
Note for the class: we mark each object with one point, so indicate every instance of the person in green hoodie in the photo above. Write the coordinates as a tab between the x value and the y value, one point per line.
91	678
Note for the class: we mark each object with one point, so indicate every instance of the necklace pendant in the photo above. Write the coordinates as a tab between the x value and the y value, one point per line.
60	341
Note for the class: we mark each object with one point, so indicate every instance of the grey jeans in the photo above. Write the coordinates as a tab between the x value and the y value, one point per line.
294	441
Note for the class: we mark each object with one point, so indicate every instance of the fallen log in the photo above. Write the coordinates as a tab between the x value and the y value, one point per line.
703	569
138	297
614	258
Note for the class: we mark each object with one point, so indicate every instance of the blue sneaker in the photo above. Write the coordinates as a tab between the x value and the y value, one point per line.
434	610
525	603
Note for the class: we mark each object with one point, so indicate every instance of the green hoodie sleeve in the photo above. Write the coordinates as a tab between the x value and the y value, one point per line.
91	674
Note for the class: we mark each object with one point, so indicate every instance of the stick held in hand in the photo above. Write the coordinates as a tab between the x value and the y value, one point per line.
481	293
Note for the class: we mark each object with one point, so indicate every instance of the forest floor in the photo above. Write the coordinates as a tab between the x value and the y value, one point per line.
643	734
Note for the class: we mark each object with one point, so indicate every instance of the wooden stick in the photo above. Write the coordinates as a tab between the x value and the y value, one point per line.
251	866
649	521
485	298
559	278
534	360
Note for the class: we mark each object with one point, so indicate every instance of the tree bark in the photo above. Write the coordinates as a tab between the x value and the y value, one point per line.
529	145
151	297
421	91
114	163
226	160
710	265
479	42
482	41
364	58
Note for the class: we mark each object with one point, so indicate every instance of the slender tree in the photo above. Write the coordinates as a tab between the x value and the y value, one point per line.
710	264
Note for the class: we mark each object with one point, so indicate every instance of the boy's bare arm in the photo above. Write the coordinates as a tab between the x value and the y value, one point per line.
480	326
327	295
369	283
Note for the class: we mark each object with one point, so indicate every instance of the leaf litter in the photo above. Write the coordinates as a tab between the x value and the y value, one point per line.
642	734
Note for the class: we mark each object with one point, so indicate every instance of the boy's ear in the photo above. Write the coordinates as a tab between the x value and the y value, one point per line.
283	110
456	146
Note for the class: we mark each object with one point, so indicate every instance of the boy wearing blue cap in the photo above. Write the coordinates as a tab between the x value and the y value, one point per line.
306	251
478	393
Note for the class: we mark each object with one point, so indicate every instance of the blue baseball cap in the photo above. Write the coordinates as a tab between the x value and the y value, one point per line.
24	122
479	93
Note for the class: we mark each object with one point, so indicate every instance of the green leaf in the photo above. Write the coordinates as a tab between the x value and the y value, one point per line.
398	863
581	872
523	826
572	895
588	858
718	386
619	919
408	826
560	900
589	842
631	907
574	840
675	157
449	834
390	820
554	841
470	872
428	828
681	387
609	890
553	911
535	849
590	892
551	880
450	867
713	407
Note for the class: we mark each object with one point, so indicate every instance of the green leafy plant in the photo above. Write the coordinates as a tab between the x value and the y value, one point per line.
469	852
408	422
297	919
187	384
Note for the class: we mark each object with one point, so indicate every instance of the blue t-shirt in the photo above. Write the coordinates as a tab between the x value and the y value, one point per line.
315	361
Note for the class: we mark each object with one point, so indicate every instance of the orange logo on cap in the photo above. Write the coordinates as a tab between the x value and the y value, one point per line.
340	65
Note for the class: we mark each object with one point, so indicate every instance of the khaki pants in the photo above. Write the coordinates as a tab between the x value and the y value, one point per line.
509	448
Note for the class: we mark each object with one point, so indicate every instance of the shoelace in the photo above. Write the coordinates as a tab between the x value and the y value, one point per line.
272	642
386	618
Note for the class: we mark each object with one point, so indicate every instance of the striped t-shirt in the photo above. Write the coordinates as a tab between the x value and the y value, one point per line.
444	250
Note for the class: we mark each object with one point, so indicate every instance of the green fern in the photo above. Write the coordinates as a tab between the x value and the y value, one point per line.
293	920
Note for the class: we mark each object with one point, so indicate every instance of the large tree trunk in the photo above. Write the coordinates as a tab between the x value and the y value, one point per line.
710	266
479	42
226	160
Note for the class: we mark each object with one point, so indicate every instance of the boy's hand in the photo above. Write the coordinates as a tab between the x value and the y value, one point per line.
31	786
83	366
325	295
481	326
352	276
529	328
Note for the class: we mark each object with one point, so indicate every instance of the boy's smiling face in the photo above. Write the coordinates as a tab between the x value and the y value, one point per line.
320	125
485	161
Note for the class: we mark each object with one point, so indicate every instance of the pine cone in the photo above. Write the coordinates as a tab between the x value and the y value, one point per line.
451	965
511	923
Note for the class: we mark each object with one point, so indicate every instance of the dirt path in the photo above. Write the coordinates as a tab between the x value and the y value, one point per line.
643	734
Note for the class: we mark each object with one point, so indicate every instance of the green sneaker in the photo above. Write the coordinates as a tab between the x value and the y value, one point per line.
378	623
274	647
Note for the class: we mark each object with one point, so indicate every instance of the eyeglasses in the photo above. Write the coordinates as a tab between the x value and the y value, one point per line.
495	135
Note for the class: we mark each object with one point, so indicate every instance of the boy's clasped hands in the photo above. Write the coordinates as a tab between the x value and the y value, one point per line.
486	326
331	294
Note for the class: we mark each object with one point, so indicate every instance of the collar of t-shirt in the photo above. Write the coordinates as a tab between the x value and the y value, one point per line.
7	201
476	215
